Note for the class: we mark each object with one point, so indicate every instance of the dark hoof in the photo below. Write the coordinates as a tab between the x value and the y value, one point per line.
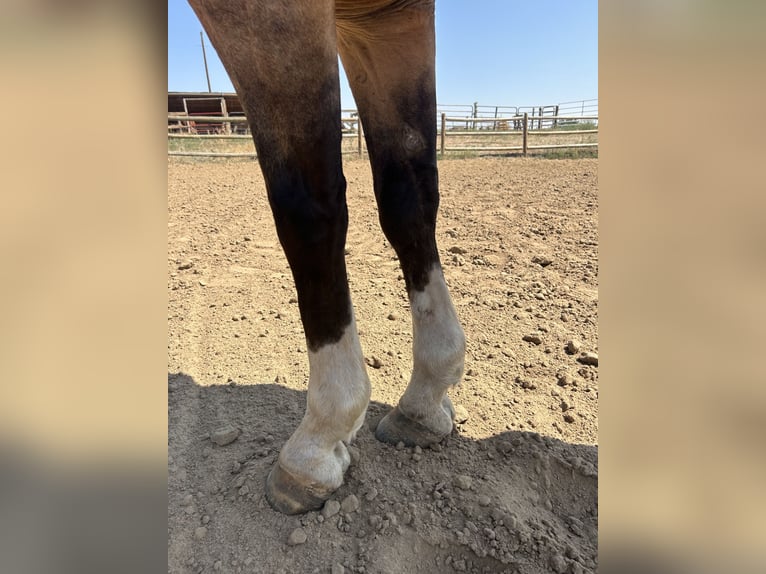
288	495
396	427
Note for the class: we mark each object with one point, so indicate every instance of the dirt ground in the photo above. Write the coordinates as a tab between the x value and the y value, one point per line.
513	489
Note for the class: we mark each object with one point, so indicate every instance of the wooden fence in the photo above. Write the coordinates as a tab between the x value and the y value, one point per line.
521	124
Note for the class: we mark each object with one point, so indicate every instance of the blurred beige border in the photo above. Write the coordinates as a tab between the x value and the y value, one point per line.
83	378
682	286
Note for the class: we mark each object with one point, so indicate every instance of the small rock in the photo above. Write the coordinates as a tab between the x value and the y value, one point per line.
338	569
462	482
569	418
400	445
393	316
353	453
533	338
185	265
297	536
350	504
558	564
200	532
573	346
224	435
205	519
589	359
503	446
374	362
457	249
330	508
541	260
217	565
371	494
484	500
187	500
375	521
565	380
461	414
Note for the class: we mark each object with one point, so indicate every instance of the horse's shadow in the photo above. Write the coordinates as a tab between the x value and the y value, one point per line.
525	483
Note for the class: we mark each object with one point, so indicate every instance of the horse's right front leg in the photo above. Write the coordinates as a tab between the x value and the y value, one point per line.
283	62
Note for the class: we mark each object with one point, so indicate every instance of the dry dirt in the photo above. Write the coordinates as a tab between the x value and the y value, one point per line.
513	489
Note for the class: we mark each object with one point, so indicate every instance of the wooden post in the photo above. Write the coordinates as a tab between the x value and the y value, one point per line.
540	119
556	118
444	131
524	134
359	135
225	113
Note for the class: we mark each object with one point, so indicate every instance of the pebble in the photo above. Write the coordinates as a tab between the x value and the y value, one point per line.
338	569
185	265
224	435
371	494
461	414
462	482
558	564
541	260
393	316
533	338
187	500
330	508
297	536
589	359
569	418
565	380
200	532
455	249
573	346
350	504
205	519
484	500
374	362
353	453
400	445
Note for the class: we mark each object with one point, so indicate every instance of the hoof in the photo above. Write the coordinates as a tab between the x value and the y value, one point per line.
395	427
288	495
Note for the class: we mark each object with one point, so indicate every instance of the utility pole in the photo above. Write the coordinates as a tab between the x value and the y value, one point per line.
204	57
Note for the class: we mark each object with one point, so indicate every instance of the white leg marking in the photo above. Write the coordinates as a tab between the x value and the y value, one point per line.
438	350
339	391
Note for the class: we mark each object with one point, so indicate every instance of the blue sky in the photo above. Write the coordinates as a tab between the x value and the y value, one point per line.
496	52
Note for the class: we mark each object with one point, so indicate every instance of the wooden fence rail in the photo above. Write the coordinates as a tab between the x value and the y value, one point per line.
527	124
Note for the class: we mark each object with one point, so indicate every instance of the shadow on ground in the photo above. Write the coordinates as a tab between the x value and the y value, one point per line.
522	503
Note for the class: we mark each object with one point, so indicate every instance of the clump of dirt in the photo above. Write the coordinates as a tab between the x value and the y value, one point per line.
513	489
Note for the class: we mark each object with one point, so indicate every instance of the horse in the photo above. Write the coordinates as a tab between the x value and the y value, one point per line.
282	58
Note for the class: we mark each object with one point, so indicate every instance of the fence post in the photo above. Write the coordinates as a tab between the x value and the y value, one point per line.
359	135
556	118
444	129
524	135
